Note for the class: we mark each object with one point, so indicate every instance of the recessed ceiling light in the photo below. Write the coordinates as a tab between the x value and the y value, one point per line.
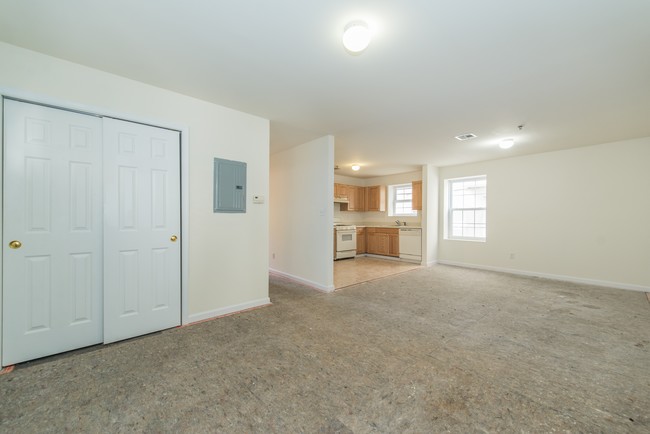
356	36
356	167
467	136
506	143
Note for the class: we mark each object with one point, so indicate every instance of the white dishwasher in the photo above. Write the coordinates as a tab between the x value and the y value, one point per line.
410	244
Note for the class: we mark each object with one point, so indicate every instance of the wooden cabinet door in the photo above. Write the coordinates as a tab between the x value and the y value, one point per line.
378	244
417	195
382	241
394	244
384	244
376	198
355	195
372	241
339	190
352	197
361	199
361	240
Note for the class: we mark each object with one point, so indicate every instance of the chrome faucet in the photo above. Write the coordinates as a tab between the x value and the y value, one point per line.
397	222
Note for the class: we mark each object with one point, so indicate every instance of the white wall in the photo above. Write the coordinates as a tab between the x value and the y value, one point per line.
373	216
430	221
349	180
302	187
581	214
227	252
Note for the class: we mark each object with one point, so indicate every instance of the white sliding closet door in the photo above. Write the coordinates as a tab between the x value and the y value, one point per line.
76	271
52	231
142	262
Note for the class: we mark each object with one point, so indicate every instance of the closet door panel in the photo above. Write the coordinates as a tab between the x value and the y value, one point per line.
142	245
52	231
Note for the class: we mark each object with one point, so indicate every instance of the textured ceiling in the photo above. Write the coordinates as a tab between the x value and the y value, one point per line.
573	72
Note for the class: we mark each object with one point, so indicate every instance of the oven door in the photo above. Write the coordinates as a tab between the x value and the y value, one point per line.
346	240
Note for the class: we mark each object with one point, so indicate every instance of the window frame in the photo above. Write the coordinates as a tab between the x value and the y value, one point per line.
392	200
449	205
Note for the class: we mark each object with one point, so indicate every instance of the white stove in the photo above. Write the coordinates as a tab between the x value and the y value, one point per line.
345	241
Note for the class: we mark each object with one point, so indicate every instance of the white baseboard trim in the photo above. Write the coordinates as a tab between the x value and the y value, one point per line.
210	314
302	281
430	263
595	282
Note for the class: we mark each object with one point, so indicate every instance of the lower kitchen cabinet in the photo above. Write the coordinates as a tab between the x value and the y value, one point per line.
382	241
393	243
361	240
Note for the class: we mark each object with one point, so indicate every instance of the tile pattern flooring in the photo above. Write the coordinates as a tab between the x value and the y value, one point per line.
363	269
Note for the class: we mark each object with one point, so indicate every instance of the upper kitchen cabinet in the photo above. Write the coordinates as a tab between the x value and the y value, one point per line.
376	198
339	191
417	195
356	197
353	198
362	204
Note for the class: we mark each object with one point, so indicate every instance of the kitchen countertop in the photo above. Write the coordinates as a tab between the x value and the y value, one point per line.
387	226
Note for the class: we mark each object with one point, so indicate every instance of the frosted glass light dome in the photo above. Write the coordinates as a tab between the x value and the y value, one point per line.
356	36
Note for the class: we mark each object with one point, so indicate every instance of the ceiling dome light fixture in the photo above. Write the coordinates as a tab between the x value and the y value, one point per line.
356	36
506	143
356	167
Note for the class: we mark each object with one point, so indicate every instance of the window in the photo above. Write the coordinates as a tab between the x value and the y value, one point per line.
400	200
466	212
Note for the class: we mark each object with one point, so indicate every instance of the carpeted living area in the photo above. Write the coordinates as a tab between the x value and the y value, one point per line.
430	350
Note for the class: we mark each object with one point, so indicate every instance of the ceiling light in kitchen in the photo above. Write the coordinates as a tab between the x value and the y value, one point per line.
356	167
506	143
356	36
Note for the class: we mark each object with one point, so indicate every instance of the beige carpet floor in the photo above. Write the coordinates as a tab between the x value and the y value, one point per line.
439	349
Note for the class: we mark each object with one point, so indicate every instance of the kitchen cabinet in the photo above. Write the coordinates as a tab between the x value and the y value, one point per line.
393	243
382	241
417	195
340	190
376	198
361	199
356	196
361	240
378	243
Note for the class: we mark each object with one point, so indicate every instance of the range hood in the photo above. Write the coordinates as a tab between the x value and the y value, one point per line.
341	199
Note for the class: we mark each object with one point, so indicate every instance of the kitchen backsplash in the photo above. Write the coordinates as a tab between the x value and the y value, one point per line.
361	218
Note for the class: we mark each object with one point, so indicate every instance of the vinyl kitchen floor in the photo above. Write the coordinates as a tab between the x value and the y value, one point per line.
363	269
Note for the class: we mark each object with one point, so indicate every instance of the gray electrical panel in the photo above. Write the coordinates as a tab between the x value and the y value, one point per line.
229	186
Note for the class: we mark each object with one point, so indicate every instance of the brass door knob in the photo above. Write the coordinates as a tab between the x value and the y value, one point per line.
15	244
174	238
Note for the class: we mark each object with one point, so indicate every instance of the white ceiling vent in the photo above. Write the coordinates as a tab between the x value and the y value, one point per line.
465	136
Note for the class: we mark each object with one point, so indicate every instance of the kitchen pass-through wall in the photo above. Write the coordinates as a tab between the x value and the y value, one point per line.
92	225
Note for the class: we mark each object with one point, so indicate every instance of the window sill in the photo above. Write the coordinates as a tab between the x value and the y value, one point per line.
472	240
